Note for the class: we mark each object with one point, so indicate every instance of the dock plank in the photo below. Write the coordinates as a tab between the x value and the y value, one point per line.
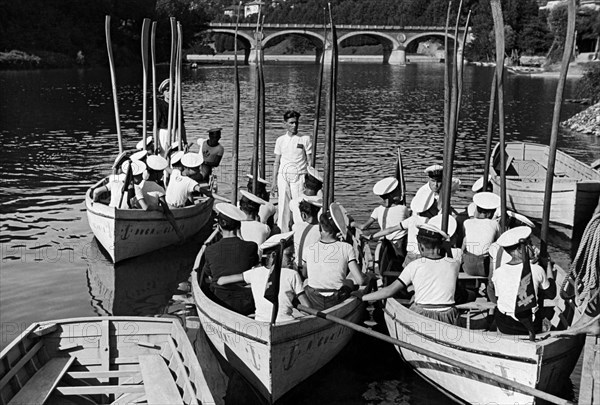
158	383
39	387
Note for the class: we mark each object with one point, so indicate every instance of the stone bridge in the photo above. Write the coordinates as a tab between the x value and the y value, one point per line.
395	39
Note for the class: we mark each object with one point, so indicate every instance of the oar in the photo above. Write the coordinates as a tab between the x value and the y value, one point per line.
236	108
461	64
333	101
446	75
261	81
178	81
171	77
400	175
125	189
154	110
569	41
255	144
507	383
145	32
490	129
169	216
113	79
318	96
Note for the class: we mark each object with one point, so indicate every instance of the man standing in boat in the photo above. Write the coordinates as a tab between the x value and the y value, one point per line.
162	120
212	152
292	154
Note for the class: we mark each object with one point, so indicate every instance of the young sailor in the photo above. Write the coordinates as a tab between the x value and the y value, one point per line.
455	253
181	186
290	284
148	192
149	145
212	152
306	232
478	188
292	154
434	185
229	256
162	122
509	286
267	210
115	184
479	233
327	263
313	184
433	277
252	229
176	168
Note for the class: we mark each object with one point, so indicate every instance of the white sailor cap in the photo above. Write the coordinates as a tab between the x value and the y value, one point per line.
313	200
340	217
423	200
125	166
137	167
478	185
163	84
192	160
156	162
437	222
275	240
140	144
486	200
230	211
513	236
432	231
176	157
260	179
314	173
434	171
249	196
139	155
385	186
119	160
521	218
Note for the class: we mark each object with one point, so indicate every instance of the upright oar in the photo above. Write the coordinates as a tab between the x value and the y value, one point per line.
178	82
236	108
446	75
154	107
490	129
261	81
568	49
318	98
328	184
400	176
461	65
255	145
145	34
171	79
113	79
499	31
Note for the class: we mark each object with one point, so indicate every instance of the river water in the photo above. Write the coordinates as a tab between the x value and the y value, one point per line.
57	130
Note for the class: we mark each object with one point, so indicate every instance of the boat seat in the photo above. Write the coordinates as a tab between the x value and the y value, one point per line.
39	387
475	314
159	385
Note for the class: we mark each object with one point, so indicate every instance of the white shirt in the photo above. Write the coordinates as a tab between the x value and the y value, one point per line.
410	224
266	211
179	189
254	231
480	233
507	279
115	186
294	150
393	216
327	264
434	281
312	237
290	281
493	252
150	192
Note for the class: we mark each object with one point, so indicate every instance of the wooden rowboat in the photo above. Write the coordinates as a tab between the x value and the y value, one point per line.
129	233
576	185
543	364
274	359
102	360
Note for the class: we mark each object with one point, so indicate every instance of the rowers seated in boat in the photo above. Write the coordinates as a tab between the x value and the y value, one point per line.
267	211
328	263
479	233
290	284
229	256
114	183
434	278
306	232
181	186
149	145
251	228
149	195
313	185
477	187
510	285
392	211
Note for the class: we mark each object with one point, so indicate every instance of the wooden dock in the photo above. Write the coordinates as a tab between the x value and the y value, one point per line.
589	389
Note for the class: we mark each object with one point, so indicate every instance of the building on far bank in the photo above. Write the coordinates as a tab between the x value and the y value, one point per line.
252	8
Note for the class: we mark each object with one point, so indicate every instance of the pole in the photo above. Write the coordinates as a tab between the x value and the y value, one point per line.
236	109
145	32
334	76
318	97
179	98
154	111
171	76
446	78
113	80
261	76
255	145
490	128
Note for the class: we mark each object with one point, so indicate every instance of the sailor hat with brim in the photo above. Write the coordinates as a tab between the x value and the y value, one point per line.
432	231
521	218
437	222
260	179
137	167
314	173
249	196
192	160
513	236
125	166
157	163
385	186
139	155
140	144
339	217
313	200
119	159
478	185
163	84
275	240
230	211
176	157
422	201
486	200
215	131
434	171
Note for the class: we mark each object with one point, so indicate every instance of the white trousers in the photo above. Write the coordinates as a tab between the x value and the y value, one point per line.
287	191
164	140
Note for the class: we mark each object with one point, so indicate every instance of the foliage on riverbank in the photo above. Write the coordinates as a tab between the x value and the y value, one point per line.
589	85
587	121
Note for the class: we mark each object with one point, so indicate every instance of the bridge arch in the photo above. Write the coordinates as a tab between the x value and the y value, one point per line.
246	39
412	39
395	43
303	33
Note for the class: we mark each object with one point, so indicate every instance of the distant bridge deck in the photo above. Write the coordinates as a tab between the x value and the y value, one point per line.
337	26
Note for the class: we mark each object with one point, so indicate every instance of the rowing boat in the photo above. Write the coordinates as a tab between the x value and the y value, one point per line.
576	185
102	360
126	233
543	364
274	358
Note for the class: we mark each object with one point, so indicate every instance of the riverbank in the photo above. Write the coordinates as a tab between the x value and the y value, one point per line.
586	122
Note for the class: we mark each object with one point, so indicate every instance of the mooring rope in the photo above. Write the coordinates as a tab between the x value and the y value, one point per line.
586	265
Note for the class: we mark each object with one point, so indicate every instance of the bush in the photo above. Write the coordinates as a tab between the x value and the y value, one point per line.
589	85
18	60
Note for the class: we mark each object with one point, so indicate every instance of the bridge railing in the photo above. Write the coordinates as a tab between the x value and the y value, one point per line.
339	27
